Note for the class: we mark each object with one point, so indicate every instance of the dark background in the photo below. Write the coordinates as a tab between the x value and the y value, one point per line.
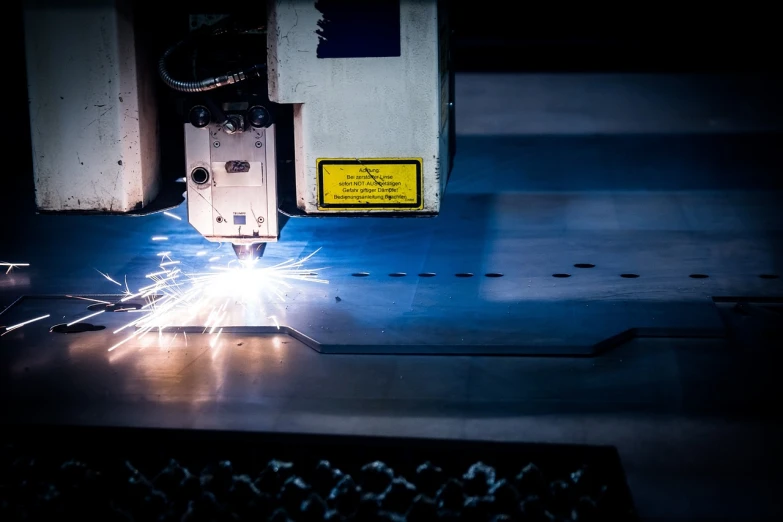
628	37
498	35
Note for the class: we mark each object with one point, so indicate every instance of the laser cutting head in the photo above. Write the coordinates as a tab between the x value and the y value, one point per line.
249	252
232	184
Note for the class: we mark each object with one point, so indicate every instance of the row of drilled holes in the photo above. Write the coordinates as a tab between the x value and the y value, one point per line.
560	275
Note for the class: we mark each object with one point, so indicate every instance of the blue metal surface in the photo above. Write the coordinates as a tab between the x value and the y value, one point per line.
523	207
538	208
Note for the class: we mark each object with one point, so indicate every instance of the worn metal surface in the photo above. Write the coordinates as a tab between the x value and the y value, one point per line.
93	116
388	107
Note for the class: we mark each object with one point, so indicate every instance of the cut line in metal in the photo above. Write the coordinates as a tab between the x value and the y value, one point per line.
524	345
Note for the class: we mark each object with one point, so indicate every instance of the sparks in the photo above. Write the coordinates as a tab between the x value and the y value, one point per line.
169	214
16	326
11	266
88	299
85	317
273	318
108	277
211	298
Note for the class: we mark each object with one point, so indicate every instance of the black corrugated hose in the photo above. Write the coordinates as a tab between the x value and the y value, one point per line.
207	84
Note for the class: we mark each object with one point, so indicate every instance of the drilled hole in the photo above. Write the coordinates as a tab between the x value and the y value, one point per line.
397	274
629	276
75	328
360	274
561	275
493	274
769	276
114	307
427	274
584	265
698	276
464	274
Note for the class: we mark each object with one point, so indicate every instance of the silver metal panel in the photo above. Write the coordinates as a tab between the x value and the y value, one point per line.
199	200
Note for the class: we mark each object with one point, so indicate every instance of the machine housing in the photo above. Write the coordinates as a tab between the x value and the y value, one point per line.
367	86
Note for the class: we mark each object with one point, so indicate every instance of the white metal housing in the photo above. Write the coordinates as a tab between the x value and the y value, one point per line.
366	108
236	205
92	108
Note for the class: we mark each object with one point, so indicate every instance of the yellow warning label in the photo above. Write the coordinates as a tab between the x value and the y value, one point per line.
358	184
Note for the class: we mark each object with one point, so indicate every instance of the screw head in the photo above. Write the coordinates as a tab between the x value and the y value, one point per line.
260	219
259	144
219	219
216	144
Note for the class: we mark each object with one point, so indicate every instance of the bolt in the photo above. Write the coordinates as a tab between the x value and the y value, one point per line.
216	144
233	125
260	219
258	144
219	219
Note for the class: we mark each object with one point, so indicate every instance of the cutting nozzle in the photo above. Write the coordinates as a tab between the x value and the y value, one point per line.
249	252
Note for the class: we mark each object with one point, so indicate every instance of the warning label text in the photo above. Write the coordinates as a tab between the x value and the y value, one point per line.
379	183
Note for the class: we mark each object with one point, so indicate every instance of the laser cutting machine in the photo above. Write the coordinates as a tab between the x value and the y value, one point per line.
364	87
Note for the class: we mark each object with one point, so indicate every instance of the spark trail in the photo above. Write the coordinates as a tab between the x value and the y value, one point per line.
11	266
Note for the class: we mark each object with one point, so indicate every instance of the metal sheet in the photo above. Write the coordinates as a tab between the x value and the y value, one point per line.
659	206
488	226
